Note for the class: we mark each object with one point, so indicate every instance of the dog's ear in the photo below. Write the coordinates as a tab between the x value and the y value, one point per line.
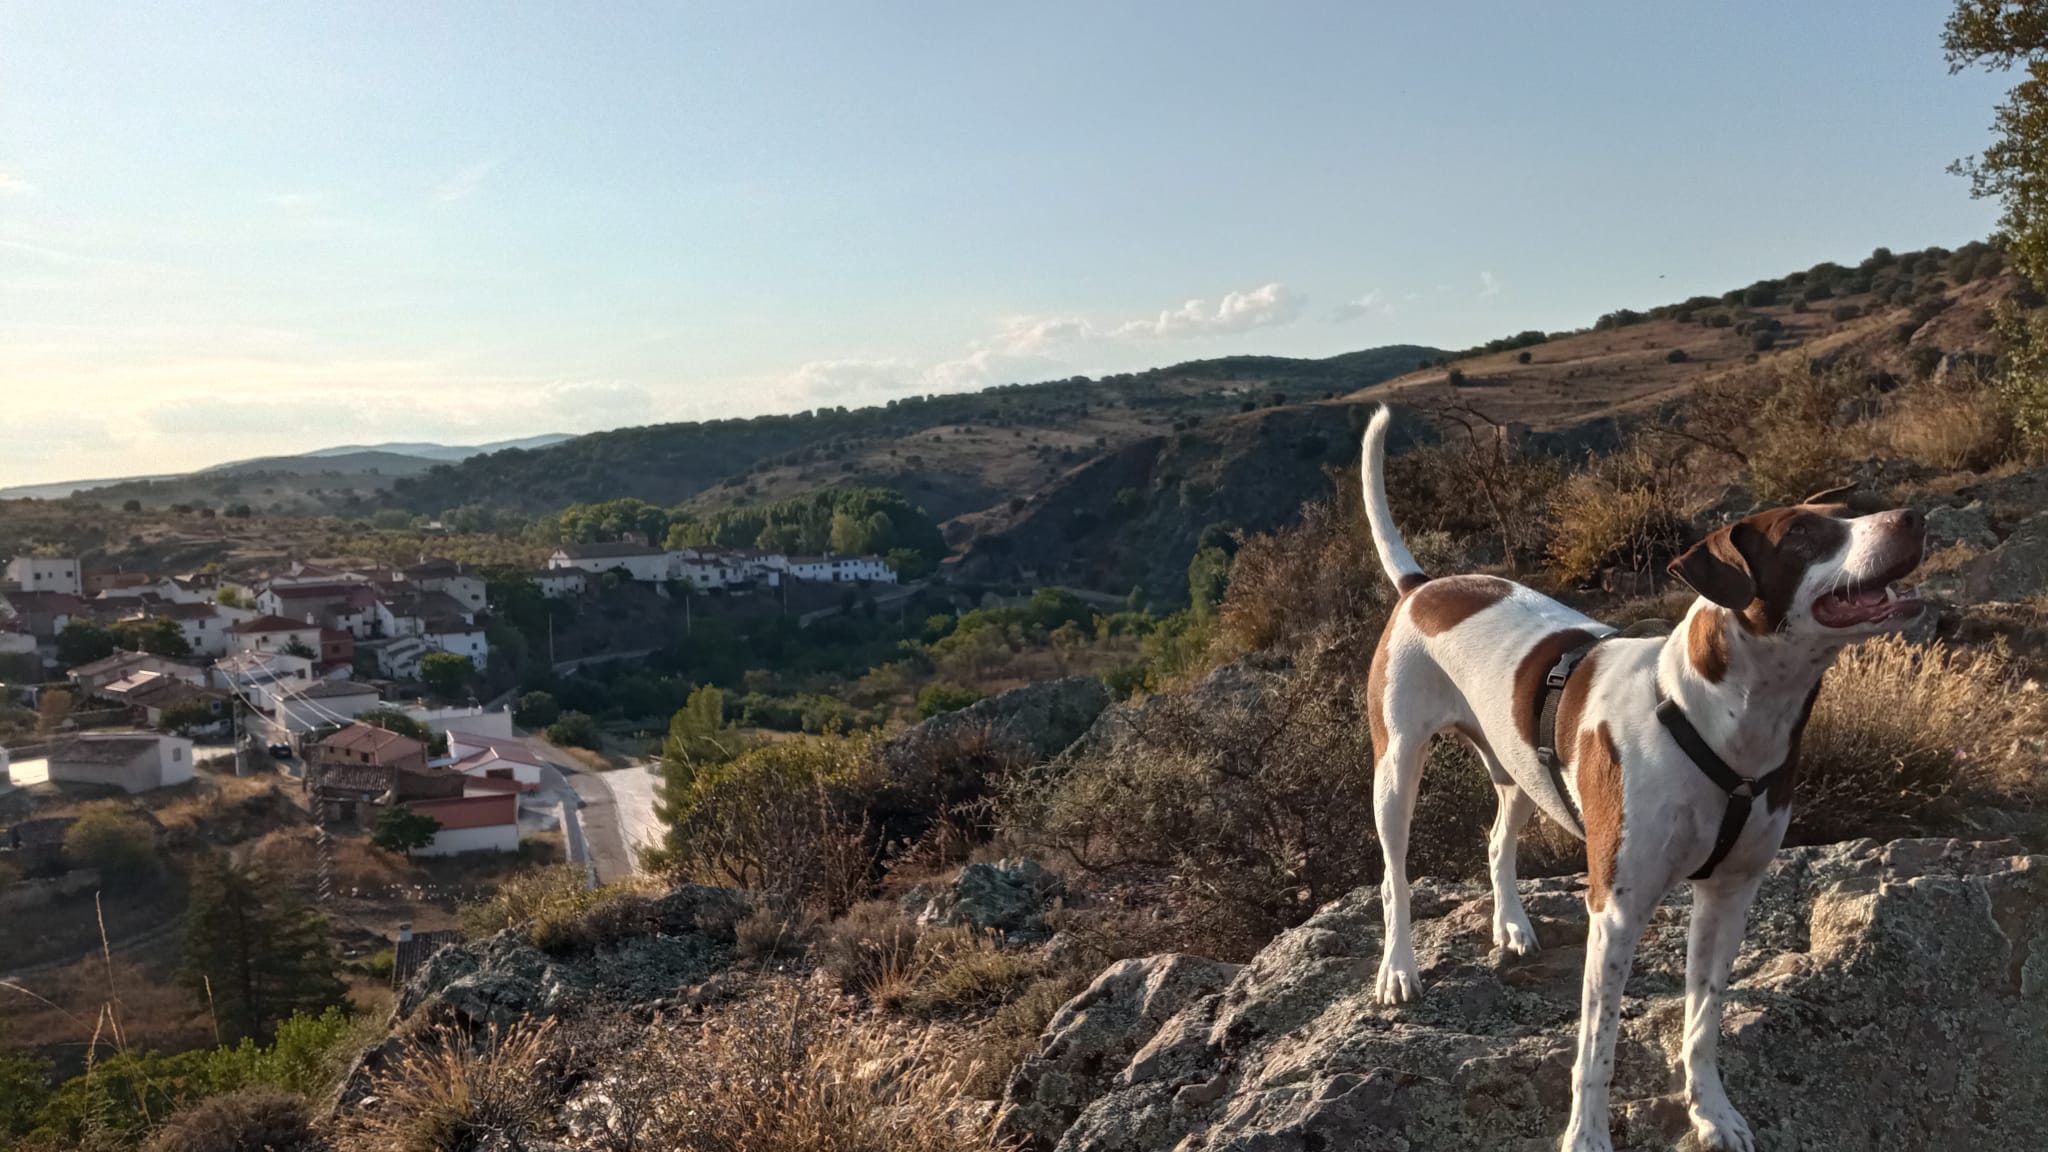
1839	494
1717	569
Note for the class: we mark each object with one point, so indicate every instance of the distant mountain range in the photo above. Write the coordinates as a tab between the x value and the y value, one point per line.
387	460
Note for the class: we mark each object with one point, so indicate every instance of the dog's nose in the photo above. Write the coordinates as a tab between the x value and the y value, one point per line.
1908	522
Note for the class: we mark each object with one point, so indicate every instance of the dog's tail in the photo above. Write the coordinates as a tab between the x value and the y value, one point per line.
1400	565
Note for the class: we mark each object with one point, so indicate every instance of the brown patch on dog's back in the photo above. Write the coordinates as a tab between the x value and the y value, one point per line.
1598	765
1529	678
1441	605
1706	644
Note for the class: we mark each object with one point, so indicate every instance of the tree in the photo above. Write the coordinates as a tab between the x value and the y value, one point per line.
228	598
941	697
536	710
82	642
157	635
1998	35
24	1087
698	733
447	674
187	716
575	729
110	840
53	710
262	951
402	830
1208	579
301	649
399	722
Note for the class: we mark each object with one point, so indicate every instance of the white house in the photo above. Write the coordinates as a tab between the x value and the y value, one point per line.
204	626
46	574
345	606
486	823
494	756
842	569
447	577
304	707
559	583
259	677
274	634
121	665
131	761
640	561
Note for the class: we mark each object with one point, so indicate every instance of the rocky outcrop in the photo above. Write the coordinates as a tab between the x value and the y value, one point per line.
1888	997
1008	896
2015	570
1948	527
1091	1040
1037	721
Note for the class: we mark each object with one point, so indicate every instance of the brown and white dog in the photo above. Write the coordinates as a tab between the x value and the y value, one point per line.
1781	594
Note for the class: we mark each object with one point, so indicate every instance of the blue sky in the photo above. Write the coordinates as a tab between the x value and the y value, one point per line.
234	229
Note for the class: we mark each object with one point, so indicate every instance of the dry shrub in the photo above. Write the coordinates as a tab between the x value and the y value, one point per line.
1626	510
931	804
449	1093
788	820
1903	737
560	913
767	933
251	1120
868	948
786	1072
1478	485
1794	448
1254	794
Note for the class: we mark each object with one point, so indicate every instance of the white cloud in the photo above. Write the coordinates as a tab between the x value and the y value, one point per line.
1364	306
1267	306
1489	285
12	185
464	182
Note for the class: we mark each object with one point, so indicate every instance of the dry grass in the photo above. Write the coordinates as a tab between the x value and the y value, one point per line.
448	1093
871	947
61	1007
1012	1034
560	913
1902	738
957	972
768	933
1955	428
786	1072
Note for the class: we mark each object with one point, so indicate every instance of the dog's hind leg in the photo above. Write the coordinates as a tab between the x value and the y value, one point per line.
1395	780
1720	910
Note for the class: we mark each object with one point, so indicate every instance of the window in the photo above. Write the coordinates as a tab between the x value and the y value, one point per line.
177	754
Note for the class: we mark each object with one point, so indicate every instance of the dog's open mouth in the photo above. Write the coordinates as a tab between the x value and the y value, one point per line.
1874	601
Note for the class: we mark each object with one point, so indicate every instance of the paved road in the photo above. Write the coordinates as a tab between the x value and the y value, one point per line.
618	818
555	781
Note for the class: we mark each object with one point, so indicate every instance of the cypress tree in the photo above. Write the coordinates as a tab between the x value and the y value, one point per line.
264	951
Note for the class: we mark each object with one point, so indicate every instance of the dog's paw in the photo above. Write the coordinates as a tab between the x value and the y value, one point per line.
1722	1129
1398	983
1515	939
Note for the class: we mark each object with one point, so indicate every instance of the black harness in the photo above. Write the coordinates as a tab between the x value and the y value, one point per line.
1742	790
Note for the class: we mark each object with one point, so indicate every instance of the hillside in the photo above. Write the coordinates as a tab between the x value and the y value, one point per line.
953	453
1134	515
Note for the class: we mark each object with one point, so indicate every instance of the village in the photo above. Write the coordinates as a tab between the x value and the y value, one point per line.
356	686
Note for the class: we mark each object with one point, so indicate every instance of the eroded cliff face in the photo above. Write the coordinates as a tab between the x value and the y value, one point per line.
1888	996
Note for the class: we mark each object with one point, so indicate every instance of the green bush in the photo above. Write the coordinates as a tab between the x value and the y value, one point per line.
536	710
113	841
1676	356
575	730
1845	312
943	697
250	1120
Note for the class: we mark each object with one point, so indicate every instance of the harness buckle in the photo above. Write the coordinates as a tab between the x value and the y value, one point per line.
1556	678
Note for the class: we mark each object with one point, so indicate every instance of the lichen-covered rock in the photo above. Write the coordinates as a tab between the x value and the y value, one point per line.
1038	720
1098	1033
2015	570
1887	997
1008	896
1948	526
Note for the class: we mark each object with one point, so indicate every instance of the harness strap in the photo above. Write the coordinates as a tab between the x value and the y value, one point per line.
1546	724
1742	790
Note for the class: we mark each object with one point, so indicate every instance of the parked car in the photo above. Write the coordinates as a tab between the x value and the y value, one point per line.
281	751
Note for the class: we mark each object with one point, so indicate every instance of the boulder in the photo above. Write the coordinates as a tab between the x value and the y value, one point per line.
1888	997
1092	1040
1038	720
2015	570
1948	527
1009	896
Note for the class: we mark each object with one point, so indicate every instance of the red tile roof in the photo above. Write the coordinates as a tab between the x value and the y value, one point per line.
272	624
470	811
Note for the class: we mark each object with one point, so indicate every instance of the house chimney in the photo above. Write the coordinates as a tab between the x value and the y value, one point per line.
404	933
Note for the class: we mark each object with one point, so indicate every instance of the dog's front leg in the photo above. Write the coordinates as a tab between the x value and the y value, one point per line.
1720	911
1610	952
